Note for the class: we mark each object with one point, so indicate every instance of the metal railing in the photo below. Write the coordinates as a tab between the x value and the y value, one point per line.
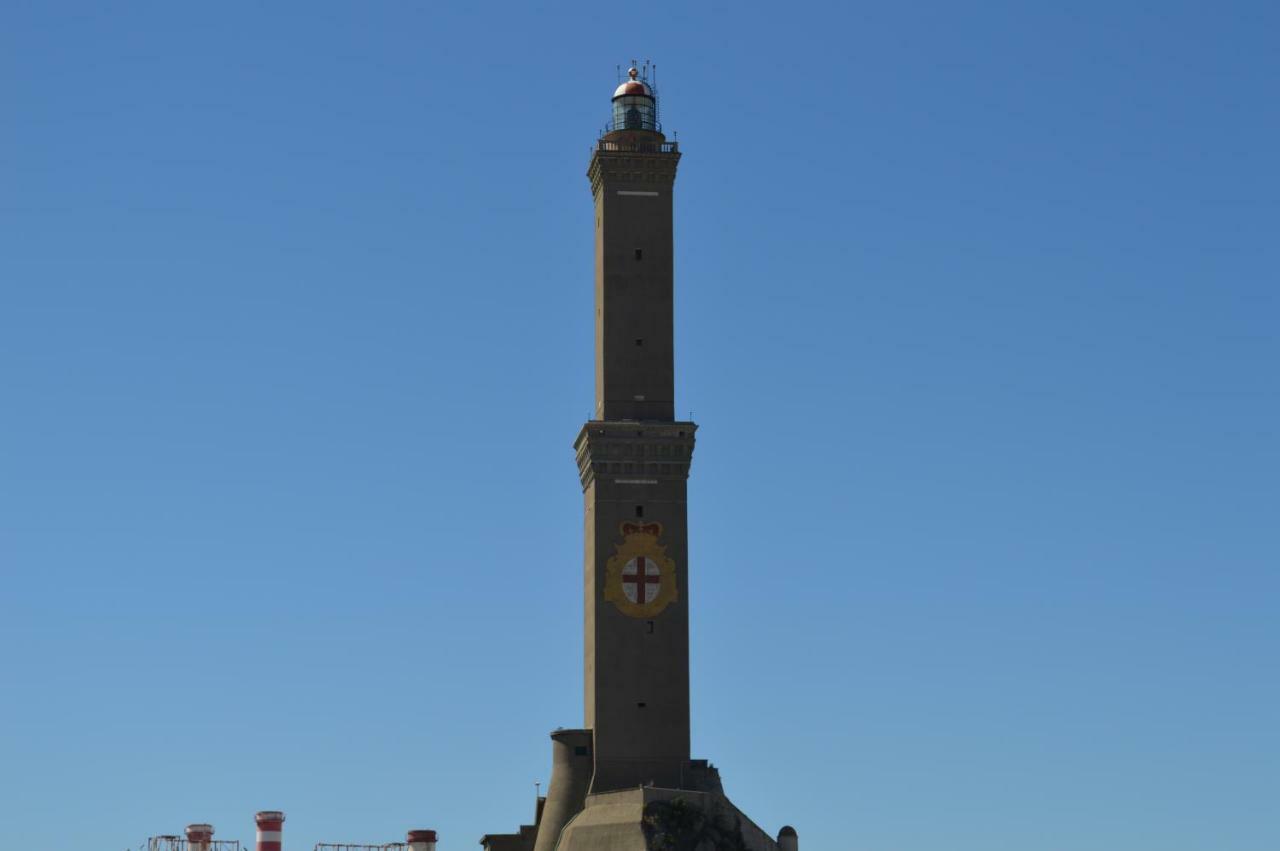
634	123
179	843
638	147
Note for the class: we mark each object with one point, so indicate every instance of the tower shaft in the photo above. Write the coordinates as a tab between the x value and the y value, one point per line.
631	178
633	458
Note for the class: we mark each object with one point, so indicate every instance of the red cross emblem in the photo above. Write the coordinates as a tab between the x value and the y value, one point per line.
641	580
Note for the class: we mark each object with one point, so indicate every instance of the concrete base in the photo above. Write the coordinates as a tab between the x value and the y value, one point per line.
652	819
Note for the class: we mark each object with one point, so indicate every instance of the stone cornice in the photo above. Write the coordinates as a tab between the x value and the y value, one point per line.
642	450
631	167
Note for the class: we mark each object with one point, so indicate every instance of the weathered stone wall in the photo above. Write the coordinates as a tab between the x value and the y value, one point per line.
651	819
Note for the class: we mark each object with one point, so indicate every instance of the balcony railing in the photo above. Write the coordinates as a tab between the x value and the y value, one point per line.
638	147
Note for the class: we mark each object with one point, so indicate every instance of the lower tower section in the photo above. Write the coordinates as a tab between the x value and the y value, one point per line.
634	476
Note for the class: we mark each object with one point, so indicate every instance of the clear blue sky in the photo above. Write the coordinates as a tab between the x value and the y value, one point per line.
977	309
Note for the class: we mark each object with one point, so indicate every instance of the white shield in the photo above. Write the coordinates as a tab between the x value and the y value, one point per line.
641	572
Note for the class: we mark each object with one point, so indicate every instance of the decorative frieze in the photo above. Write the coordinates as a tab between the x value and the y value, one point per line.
659	168
636	450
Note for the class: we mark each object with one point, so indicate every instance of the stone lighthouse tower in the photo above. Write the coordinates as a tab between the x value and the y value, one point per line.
625	780
633	458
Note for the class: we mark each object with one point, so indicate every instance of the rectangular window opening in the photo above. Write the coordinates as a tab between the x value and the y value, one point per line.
639	341
639	254
639	511
641	705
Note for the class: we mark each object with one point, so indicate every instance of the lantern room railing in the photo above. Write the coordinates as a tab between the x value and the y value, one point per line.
634	122
638	147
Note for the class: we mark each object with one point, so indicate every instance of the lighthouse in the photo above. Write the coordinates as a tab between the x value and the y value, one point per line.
625	779
633	460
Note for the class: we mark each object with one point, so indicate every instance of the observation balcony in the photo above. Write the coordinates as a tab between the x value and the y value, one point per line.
637	147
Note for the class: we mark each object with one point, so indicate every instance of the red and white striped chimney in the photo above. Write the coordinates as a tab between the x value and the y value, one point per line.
199	836
422	840
270	823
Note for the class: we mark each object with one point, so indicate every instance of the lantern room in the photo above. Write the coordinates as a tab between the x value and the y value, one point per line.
635	106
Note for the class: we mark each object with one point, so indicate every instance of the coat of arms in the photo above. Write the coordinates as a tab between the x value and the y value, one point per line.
639	579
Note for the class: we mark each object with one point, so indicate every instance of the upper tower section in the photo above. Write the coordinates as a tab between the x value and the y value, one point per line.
632	173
